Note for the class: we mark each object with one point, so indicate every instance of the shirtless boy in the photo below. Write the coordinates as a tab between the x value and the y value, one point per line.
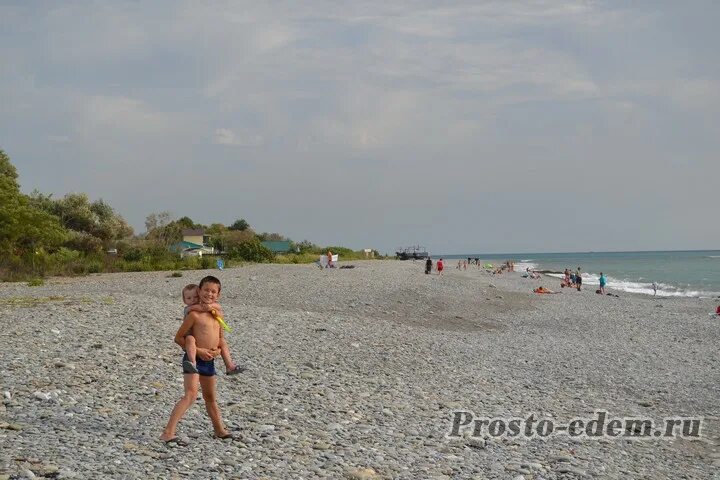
191	298
207	333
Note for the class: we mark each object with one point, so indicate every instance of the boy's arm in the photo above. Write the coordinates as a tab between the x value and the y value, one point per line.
184	329
195	308
218	309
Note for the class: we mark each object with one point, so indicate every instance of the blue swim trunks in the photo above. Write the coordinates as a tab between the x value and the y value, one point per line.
206	368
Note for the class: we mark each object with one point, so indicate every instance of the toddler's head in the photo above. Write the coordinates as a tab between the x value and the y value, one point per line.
190	294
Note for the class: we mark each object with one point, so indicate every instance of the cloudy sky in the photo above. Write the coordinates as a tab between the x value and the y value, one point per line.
496	126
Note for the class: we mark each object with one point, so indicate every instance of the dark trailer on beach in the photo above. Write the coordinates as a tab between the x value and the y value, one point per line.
415	252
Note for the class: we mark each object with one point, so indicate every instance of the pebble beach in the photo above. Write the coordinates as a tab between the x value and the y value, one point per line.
353	373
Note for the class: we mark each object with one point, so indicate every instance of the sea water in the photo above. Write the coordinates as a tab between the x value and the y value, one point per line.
677	273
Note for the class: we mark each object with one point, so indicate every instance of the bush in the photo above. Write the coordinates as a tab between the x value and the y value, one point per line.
35	282
252	251
296	258
133	254
176	274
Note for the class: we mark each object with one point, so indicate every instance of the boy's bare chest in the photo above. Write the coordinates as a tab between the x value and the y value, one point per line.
206	325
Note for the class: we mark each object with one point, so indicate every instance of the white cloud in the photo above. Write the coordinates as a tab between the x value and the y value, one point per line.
225	136
696	94
130	115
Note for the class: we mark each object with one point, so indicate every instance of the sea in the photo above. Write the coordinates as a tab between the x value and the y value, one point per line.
694	273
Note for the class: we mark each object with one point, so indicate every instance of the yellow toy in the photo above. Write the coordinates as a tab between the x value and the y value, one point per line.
220	319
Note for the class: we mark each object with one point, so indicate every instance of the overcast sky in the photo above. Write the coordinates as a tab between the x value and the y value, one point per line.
499	126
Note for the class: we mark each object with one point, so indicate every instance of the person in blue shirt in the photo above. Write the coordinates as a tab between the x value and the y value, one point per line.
603	282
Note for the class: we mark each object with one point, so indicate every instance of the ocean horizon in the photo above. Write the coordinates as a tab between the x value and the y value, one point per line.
678	273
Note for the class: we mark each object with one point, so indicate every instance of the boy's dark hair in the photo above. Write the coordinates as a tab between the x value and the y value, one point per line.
211	279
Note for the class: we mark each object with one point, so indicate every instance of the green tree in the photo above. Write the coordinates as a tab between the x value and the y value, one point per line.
275	237
251	250
156	220
23	227
240	225
186	222
92	225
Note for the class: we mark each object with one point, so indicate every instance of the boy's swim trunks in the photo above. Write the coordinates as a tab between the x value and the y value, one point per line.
206	368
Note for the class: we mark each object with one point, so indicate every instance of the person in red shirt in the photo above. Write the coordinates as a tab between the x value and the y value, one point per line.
440	266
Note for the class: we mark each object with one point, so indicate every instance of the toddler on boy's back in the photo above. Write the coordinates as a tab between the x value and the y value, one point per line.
191	299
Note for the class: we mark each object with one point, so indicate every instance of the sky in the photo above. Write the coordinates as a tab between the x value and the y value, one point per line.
465	127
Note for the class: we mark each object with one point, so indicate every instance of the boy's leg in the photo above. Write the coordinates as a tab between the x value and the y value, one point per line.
190	383
209	394
230	367
191	349
225	354
190	365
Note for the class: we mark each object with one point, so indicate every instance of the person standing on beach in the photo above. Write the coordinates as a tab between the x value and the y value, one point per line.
440	266
603	281
578	279
207	332
654	287
428	266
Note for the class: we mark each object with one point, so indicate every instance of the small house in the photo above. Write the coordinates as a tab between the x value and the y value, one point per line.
195	235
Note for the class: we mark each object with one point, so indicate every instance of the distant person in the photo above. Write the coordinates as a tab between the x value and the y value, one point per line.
329	261
465	265
428	266
654	287
440	266
603	282
543	290
578	279
717	311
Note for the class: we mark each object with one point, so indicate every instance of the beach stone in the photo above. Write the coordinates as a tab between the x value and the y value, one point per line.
363	474
475	442
573	470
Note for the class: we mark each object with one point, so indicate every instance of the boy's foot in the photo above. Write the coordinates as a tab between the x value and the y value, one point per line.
176	441
189	367
225	436
235	370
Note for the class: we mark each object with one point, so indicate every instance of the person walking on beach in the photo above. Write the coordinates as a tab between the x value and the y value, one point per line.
428	266
603	282
207	332
654	287
440	266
